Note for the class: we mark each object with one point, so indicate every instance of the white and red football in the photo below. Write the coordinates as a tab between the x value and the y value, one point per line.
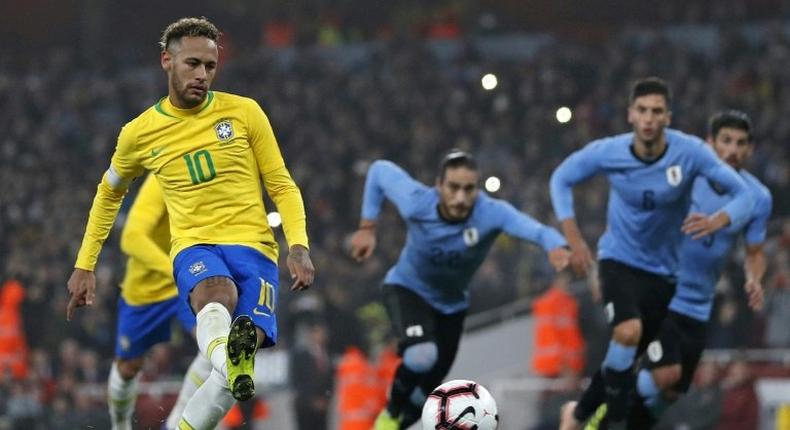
460	405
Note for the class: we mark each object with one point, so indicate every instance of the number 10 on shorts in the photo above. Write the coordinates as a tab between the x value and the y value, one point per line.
266	298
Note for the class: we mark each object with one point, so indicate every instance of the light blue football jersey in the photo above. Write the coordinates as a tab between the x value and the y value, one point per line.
648	200
440	257
702	261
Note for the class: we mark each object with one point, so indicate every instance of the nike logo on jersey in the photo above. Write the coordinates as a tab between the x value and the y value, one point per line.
156	151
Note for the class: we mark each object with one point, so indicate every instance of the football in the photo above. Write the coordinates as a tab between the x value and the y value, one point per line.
460	405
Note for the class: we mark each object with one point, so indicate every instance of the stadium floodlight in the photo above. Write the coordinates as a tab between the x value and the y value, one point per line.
492	184
274	219
489	81
564	115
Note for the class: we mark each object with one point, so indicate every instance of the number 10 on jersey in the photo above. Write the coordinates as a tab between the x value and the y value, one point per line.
198	164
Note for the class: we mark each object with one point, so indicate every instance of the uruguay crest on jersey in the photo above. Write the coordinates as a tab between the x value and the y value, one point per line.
224	129
674	175
471	236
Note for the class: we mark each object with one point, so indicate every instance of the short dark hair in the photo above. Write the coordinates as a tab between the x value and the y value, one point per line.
651	85
456	158
730	119
188	27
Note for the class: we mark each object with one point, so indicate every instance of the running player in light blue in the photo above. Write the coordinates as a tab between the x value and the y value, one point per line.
674	355
650	171
451	228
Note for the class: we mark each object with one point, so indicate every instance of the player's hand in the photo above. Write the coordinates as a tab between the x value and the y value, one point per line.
82	288
700	225
363	243
559	258
754	291
301	268
581	259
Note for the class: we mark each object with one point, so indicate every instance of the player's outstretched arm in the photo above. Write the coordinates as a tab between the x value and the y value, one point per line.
518	224
278	182
385	180
577	168
109	195
288	199
82	283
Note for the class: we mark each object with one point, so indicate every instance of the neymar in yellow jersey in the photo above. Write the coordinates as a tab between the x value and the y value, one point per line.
212	154
149	302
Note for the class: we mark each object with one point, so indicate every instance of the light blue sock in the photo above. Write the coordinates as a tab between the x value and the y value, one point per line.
647	388
619	357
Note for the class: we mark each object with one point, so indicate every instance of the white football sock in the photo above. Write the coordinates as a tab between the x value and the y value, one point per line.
198	372
208	405
121	397
213	326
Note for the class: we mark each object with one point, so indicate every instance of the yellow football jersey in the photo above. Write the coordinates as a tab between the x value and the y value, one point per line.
212	163
146	241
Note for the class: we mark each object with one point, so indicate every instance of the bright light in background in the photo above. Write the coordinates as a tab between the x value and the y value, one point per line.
489	81
564	115
274	219
492	184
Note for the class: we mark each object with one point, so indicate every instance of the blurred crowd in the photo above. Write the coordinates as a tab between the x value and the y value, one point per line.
402	102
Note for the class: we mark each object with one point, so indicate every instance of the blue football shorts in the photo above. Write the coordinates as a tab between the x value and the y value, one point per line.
255	275
142	326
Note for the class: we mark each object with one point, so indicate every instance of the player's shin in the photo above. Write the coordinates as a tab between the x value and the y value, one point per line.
412	410
647	388
213	325
402	386
650	394
208	405
592	397
121	397
198	372
619	380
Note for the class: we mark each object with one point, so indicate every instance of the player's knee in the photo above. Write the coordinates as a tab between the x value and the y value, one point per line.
217	289
421	357
628	332
666	377
128	369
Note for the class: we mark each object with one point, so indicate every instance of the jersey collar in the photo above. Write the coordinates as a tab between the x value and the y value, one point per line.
166	108
653	161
